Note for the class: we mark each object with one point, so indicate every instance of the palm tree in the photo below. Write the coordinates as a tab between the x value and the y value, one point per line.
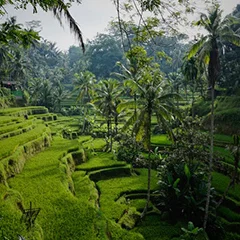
59	95
59	9
154	98
46	95
176	80
34	89
190	72
137	65
84	84
107	99
207	48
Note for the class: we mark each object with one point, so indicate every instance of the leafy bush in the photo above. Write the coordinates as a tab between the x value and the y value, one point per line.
128	149
182	174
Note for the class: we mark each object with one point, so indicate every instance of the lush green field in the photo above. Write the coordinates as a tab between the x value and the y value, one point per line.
84	192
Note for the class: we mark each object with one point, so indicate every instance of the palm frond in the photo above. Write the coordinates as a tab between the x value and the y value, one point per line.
61	9
126	105
130	122
165	124
234	39
231	20
196	47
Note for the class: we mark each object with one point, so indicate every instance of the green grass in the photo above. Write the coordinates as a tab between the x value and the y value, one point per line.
161	140
224	153
20	111
8	146
62	216
228	214
85	188
95	144
8	120
100	160
223	139
13	127
220	183
152	228
113	188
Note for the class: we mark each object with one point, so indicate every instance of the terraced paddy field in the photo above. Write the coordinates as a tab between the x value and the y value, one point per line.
80	191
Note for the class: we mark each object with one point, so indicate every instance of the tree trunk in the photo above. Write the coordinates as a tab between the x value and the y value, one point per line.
213	77
148	139
193	99
111	135
116	124
148	187
209	184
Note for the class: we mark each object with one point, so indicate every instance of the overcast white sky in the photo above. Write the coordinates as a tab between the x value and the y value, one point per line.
93	16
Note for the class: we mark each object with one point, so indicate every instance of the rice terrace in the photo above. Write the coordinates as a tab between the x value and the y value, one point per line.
132	135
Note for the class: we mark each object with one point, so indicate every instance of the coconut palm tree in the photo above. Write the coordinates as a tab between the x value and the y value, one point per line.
190	72
137	65
154	97
207	48
106	100
176	79
59	95
84	84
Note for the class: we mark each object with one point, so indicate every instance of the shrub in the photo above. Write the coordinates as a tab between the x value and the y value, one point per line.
182	174
128	149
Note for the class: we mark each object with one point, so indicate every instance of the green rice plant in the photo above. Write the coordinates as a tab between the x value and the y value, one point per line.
17	132
223	139
162	139
62	216
227	102
8	120
9	146
139	204
85	188
112	189
225	154
46	117
23	111
100	160
115	232
220	183
14	164
228	214
155	229
129	218
106	173
83	139
95	145
13	127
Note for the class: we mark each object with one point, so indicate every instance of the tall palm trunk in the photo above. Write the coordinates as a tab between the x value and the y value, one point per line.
193	101
116	123
148	139
210	161
213	75
109	133
148	186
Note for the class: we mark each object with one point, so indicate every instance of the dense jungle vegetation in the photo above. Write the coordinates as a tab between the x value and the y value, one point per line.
133	135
